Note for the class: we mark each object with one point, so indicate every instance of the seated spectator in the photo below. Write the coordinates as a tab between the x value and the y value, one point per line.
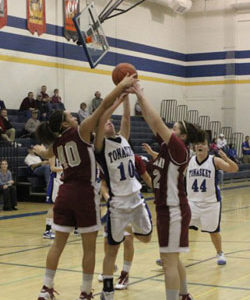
213	146
28	104
2	105
95	102
221	142
83	112
246	150
7	187
7	131
56	101
44	91
37	166
42	108
232	154
32	124
138	111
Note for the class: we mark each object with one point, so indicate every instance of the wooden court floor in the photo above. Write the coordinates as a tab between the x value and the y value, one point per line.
23	252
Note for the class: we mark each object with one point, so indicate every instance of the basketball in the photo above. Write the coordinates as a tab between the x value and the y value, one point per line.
121	70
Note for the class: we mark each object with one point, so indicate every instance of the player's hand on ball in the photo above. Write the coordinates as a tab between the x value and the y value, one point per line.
128	81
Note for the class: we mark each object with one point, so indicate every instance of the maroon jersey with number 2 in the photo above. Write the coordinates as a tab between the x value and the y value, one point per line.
173	212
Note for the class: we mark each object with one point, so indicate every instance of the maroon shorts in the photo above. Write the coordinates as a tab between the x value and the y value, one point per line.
76	206
172	227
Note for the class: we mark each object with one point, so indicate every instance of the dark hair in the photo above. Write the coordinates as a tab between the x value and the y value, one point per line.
194	133
47	132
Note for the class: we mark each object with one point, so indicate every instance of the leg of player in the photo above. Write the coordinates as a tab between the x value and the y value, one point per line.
48	234
175	277
88	264
108	269
47	291
128	254
216	239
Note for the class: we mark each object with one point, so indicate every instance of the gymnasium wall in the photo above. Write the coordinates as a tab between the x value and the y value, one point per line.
145	36
218	43
201	59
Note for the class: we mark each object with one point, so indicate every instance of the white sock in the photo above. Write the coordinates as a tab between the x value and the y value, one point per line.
183	287
49	278
172	294
49	221
126	266
87	282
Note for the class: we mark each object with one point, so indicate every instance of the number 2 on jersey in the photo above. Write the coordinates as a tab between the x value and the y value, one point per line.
131	170
203	186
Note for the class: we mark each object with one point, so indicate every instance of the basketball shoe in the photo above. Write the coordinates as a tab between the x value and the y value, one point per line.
49	235
221	259
85	296
186	297
47	293
122	283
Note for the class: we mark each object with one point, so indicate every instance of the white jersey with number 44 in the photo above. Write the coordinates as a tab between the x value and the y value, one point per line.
202	181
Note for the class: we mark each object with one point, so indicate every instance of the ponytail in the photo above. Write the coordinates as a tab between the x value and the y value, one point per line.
194	133
47	132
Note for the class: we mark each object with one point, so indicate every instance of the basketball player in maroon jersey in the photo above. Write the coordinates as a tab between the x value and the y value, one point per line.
77	203
172	209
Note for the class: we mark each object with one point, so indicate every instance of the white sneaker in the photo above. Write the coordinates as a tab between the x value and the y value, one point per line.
107	295
49	235
221	260
122	283
47	293
100	278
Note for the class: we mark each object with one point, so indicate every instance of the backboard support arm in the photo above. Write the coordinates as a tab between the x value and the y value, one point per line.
109	9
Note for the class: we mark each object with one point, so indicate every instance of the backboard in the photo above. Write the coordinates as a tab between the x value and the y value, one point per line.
91	34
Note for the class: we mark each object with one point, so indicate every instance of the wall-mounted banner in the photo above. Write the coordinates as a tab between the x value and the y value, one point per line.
3	13
36	21
71	8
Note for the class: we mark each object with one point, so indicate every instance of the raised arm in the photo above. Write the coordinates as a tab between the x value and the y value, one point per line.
104	118
125	122
89	124
225	163
150	115
149	150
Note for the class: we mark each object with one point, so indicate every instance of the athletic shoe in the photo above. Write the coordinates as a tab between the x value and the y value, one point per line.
159	262
48	235
76	232
100	276
47	293
122	283
186	297
221	259
107	295
85	296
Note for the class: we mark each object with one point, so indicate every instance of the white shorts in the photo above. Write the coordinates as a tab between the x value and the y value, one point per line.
118	219
206	216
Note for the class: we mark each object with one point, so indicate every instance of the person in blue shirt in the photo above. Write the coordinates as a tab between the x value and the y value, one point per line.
7	186
246	150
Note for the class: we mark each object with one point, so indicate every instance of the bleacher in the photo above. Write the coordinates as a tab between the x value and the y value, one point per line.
30	186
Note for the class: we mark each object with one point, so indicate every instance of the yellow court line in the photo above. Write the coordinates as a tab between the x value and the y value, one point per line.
9	58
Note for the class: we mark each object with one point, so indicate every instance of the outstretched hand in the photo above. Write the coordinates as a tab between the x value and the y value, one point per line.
147	148
128	81
136	89
222	154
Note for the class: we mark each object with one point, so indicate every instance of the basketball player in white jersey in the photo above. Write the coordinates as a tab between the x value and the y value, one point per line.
204	194
126	205
54	183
